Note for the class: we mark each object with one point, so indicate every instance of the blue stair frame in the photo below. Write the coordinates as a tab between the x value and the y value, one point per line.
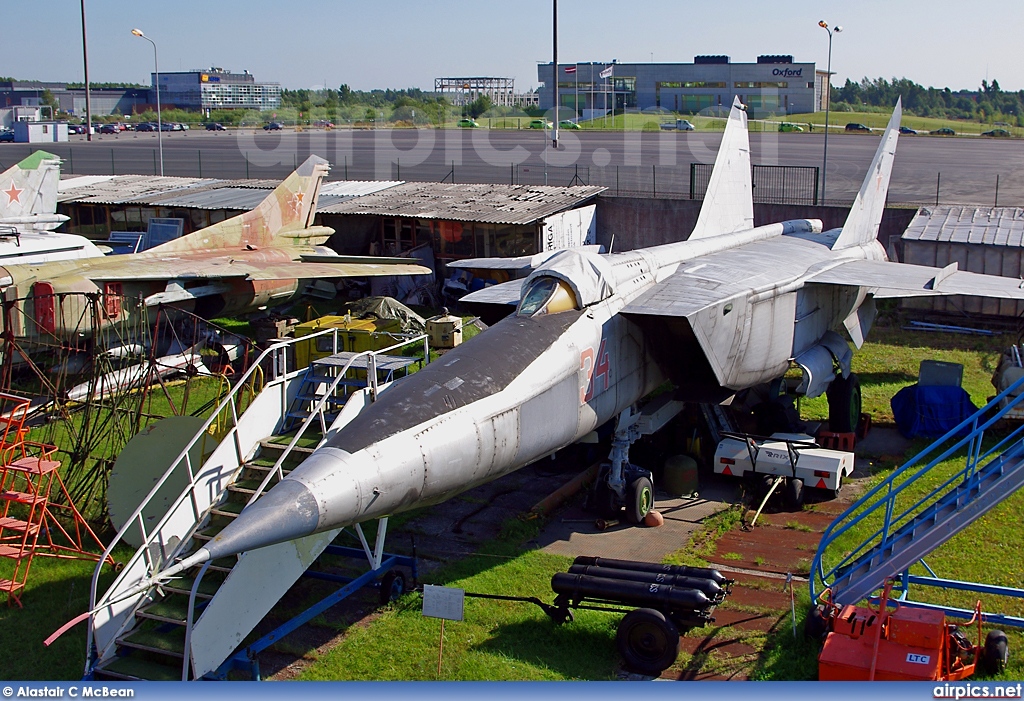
908	527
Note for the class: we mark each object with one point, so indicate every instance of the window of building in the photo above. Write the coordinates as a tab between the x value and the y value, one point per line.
703	84
760	84
664	84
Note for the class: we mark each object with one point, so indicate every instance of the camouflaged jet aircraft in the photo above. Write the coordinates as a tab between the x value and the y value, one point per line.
261	258
732	306
28	215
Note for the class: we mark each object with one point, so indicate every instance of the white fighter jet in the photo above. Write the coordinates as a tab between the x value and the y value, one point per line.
731	307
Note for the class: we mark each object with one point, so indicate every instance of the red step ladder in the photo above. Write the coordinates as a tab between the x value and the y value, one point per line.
28	475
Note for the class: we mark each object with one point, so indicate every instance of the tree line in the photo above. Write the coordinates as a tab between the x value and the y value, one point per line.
989	104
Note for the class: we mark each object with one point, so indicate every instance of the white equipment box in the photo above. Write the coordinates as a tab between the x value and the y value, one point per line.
786	454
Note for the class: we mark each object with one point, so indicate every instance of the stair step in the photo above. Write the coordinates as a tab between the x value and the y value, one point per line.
21	497
14	552
310	439
17	525
132	668
267	445
170	640
9	586
170	609
228	508
207	588
317	397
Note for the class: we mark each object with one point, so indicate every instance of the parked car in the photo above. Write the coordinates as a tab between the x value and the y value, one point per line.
215	126
907	130
996	132
788	126
540	124
166	126
76	128
325	123
568	124
110	129
857	126
468	123
944	131
6	135
184	127
273	126
145	126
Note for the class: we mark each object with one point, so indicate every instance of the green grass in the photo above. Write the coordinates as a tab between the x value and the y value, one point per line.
891	360
57	591
497	640
878	120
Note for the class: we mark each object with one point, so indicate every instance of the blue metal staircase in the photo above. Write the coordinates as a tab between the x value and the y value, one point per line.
908	517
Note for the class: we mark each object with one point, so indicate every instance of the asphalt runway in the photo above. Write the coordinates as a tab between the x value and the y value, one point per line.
963	169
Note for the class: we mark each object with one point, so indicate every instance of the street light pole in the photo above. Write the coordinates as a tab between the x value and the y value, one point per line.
828	100
159	120
554	59
85	61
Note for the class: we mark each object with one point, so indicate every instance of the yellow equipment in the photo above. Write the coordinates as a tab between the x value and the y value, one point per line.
356	335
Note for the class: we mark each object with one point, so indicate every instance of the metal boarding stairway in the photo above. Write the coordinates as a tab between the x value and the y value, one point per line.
908	526
190	627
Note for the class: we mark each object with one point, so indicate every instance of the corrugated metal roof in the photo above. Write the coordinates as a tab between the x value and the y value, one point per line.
992	226
497	204
200	193
122	189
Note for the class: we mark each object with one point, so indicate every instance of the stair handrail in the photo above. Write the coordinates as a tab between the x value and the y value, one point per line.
277	352
277	469
864	506
318	409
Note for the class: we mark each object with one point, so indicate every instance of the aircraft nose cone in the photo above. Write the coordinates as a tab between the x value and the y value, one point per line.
286	512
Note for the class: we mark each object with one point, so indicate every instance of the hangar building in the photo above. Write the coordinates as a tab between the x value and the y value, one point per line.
772	85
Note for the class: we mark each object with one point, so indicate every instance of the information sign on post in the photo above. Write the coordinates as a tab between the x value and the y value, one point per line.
443	602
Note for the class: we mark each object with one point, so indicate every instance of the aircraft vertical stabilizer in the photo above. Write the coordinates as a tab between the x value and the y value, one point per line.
287	210
30	187
866	214
729	200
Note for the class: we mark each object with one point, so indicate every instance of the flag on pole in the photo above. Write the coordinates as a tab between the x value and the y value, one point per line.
570	69
607	72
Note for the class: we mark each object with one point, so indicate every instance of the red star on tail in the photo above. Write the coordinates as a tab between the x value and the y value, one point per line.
13	194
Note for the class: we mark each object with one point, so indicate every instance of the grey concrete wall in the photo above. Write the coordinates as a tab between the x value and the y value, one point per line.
637	222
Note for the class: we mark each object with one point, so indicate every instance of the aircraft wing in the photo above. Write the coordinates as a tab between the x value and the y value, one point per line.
894	280
223	268
505	293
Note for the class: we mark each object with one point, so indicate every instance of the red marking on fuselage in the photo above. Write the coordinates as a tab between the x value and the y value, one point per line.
598	373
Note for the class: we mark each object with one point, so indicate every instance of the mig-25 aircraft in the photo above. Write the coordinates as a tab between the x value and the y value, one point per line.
261	258
731	307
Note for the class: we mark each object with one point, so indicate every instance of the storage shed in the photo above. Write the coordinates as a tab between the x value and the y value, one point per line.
987	240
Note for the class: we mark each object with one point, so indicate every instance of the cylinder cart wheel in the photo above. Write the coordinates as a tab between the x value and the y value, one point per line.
639	499
392	586
647	641
844	404
995	652
794	492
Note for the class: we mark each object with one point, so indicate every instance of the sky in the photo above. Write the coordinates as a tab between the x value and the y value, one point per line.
403	43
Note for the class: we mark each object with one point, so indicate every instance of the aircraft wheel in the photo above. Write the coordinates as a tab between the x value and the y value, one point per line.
392	586
639	500
794	492
647	641
995	652
844	404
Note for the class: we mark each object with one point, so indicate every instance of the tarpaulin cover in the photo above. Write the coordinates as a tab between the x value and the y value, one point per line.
588	274
930	411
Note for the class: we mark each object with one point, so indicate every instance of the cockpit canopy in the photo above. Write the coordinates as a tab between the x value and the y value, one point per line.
570	279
